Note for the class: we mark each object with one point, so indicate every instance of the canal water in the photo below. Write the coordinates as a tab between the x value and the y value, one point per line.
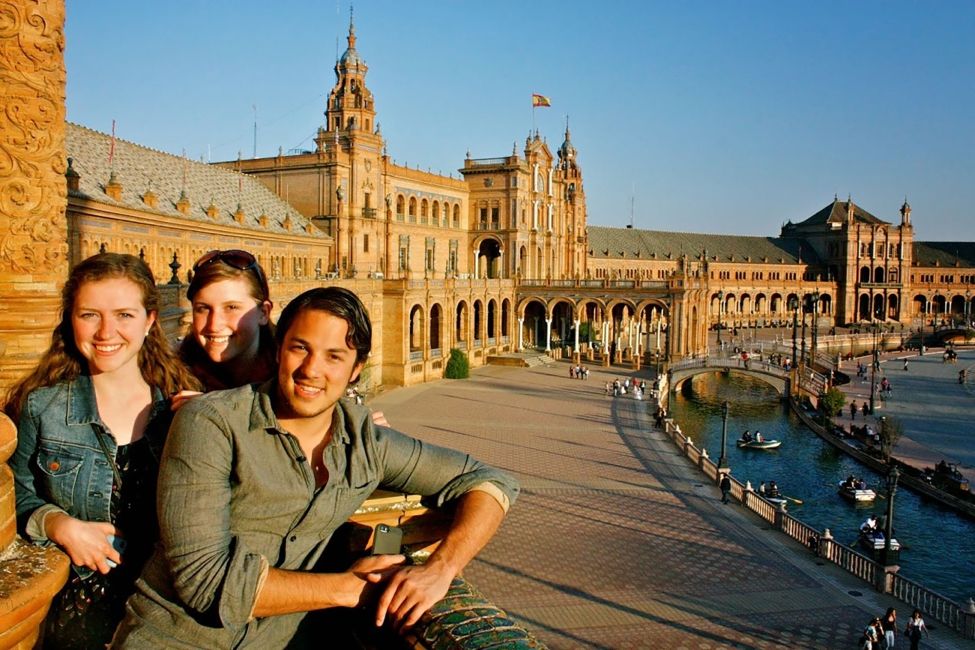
938	545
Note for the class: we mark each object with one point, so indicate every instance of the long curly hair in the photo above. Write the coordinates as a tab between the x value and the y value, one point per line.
214	375
62	361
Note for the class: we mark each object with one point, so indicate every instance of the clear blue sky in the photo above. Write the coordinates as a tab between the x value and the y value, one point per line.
721	117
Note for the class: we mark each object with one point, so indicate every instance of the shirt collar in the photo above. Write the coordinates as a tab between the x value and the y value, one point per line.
263	417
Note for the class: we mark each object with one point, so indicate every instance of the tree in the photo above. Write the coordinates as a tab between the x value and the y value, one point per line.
890	432
832	402
458	367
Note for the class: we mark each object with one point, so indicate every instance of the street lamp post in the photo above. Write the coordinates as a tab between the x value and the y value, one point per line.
802	354
794	306
815	326
723	460
892	477
875	361
720	302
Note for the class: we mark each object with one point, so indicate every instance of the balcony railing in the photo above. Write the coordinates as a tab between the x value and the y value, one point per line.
369	213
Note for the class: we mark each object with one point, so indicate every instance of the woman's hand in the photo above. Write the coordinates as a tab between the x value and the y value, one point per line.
85	542
181	398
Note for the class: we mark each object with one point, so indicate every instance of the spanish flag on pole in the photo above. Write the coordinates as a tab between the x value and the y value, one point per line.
540	100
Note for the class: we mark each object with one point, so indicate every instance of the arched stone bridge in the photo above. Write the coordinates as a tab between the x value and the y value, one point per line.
775	376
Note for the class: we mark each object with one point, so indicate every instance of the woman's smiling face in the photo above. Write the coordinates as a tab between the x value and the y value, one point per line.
110	324
227	320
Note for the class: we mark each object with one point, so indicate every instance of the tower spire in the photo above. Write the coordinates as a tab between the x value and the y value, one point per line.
351	26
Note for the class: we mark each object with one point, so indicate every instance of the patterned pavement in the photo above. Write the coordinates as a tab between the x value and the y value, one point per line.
617	541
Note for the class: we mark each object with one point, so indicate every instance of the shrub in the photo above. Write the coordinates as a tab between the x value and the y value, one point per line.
458	367
832	402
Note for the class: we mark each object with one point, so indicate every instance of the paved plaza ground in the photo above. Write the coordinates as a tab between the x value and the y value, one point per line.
616	540
937	412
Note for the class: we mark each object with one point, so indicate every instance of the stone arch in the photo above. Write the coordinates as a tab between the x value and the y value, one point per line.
562	313
492	317
864	307
505	317
400	204
865	274
416	328
412	207
878	274
424	209
478	321
461	324
777	305
878	306
488	252
456	220
533	316
892	306
920	304
435	213
436	326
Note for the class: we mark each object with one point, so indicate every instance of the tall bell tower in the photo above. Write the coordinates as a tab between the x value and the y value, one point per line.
355	184
350	104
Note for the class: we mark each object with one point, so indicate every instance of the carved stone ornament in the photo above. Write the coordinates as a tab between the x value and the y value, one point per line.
33	191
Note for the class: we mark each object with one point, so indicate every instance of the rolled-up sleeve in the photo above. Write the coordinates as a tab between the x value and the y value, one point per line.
417	467
213	572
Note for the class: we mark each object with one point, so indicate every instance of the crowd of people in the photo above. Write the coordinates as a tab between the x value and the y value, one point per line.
202	519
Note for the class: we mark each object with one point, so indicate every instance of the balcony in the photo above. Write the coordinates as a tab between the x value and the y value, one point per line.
368	213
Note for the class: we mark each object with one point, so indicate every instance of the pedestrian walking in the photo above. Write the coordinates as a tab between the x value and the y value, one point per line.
725	487
888	624
905	365
915	626
853	410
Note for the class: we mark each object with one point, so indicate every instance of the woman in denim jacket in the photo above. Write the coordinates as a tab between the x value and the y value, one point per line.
91	421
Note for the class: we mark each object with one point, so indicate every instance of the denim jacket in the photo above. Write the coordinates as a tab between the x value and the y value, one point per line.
60	466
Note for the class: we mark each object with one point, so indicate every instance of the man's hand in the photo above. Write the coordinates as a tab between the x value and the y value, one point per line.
286	592
85	542
410	592
181	398
379	419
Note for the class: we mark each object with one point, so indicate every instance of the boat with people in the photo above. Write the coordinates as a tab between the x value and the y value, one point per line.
873	541
749	441
856	490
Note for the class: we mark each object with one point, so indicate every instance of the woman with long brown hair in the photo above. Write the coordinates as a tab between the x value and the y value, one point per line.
91	421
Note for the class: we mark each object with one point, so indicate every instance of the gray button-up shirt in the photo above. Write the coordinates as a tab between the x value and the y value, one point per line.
236	495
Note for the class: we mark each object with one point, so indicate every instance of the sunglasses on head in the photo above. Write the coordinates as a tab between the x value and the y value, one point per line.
238	259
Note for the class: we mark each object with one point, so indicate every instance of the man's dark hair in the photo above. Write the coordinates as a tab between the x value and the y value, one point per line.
336	301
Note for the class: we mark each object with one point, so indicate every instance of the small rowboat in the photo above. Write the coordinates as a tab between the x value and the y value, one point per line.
864	495
754	444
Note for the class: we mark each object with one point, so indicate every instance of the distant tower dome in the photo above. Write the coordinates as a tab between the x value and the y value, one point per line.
567	151
351	57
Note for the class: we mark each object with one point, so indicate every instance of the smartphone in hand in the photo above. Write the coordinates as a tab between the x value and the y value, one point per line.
388	540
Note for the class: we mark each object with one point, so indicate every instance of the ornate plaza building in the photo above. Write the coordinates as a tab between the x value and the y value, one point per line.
499	260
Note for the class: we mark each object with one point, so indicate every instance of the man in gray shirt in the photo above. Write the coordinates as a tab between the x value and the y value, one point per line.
255	480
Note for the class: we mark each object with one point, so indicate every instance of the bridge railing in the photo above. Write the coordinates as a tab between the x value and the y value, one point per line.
948	612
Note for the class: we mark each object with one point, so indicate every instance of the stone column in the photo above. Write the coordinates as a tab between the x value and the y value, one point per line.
33	192
548	334
521	334
33	265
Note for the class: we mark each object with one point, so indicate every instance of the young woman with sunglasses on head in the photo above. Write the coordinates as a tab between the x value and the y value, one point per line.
231	338
91	421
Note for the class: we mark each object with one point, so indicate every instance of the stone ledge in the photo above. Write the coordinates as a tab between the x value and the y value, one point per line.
30	576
